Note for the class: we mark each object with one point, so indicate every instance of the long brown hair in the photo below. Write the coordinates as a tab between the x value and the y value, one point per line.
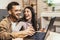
33	21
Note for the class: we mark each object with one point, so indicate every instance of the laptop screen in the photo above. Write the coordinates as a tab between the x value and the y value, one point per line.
50	25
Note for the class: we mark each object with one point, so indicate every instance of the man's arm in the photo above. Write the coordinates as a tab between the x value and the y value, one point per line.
5	34
29	31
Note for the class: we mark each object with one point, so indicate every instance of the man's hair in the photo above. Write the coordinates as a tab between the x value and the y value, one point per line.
9	6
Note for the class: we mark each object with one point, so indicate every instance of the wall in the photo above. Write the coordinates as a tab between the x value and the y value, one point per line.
3	3
42	7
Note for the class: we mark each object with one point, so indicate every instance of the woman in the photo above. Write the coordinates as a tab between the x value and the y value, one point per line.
29	16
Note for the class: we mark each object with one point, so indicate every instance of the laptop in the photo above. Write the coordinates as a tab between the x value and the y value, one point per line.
42	35
50	26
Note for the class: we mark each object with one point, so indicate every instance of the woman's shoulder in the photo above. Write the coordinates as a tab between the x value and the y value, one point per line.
24	23
21	22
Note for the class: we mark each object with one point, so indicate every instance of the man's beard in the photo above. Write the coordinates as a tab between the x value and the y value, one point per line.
13	17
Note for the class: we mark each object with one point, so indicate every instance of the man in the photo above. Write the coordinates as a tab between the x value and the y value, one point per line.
9	24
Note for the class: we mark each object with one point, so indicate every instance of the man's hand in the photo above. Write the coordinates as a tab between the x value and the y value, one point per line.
20	34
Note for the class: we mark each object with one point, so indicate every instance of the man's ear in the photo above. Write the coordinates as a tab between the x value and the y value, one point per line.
9	12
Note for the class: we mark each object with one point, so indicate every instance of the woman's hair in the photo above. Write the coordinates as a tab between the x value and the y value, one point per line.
33	20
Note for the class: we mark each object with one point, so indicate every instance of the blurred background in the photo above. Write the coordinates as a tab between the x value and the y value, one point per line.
46	7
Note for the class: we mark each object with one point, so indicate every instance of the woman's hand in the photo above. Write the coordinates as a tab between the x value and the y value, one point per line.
30	31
